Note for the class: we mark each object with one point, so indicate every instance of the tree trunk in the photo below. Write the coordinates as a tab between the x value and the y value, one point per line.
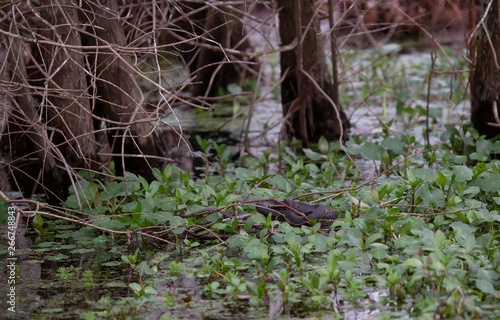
486	78
307	89
215	29
18	101
120	99
67	99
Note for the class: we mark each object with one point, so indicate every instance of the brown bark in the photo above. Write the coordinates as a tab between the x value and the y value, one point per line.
19	101
486	78
309	111
67	99
119	96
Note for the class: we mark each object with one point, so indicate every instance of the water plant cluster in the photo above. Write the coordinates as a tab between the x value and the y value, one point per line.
418	238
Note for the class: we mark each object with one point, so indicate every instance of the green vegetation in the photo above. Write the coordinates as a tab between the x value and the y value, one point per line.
420	239
417	234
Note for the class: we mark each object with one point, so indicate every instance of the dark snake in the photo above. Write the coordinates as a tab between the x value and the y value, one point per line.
282	210
311	211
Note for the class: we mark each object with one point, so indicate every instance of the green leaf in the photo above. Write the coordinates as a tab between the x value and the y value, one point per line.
258	218
372	151
435	112
425	174
375	194
439	239
154	187
135	287
355	241
144	183
38	224
158	174
234	88
484	147
441	179
150	290
405	229
129	207
462	173
478	157
394	144
177	221
323	145
221	226
485	286
470	243
167	172
319	241
372	238
312	155
255	249
490	183
37	221
461	216
413	262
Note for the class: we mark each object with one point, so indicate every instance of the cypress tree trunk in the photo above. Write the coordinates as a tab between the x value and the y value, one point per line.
26	119
486	78
307	90
218	28
120	99
67	99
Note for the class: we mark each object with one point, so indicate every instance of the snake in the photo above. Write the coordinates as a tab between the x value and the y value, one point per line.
282	209
310	211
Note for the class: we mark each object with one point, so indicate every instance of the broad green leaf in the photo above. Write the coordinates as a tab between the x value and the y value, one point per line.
425	174
129	207
490	183
150	290
439	238
460	159
405	228
258	218
484	147
355	241
485	286
372	238
373	151
461	216
394	144
319	241
478	157
177	221
413	262
255	249
470	243
462	173
135	287
312	155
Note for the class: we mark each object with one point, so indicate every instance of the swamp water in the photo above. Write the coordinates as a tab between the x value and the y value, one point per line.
71	274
